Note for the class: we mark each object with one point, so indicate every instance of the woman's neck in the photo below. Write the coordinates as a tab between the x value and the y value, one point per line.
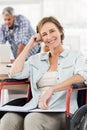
56	51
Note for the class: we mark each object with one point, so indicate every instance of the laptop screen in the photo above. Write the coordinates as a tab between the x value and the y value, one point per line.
5	53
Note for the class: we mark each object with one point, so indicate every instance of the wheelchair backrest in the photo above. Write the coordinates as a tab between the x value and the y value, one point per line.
81	98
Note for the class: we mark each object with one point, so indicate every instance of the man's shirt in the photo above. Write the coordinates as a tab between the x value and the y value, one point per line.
21	33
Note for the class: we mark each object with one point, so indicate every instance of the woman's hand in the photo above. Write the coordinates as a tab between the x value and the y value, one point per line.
44	100
35	40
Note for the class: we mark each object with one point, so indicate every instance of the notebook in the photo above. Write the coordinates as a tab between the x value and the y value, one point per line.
5	53
25	109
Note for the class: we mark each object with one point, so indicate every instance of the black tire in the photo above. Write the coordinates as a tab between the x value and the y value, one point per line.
83	125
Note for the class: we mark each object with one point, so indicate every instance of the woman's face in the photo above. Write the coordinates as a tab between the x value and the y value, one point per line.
50	35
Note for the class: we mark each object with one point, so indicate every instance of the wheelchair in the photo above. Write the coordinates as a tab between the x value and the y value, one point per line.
76	121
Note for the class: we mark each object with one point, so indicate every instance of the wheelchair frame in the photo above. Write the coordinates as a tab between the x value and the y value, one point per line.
72	121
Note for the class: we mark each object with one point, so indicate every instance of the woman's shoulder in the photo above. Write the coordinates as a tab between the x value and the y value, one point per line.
74	52
72	55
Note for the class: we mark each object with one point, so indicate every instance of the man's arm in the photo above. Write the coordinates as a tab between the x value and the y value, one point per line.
20	48
24	34
2	35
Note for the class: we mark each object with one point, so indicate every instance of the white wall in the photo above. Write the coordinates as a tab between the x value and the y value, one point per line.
72	15
68	11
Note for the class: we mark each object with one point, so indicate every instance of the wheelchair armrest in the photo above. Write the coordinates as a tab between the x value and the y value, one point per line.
10	81
75	87
7	82
79	85
14	80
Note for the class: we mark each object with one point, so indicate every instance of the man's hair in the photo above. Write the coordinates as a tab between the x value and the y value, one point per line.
8	11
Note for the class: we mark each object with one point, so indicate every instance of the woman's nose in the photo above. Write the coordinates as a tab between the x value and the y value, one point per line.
48	36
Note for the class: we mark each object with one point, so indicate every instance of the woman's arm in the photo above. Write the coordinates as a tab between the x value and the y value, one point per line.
44	100
68	83
20	60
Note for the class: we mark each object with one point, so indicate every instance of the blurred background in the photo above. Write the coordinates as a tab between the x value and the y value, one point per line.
71	13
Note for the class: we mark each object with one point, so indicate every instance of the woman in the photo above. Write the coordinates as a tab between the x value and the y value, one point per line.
51	74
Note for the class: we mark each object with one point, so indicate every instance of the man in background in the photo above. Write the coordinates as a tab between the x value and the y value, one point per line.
17	31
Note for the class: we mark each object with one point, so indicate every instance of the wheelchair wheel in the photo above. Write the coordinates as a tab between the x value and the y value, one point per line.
83	125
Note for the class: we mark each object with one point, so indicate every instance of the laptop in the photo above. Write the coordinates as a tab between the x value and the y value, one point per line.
5	53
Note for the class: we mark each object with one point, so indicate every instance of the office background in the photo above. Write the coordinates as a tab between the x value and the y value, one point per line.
71	13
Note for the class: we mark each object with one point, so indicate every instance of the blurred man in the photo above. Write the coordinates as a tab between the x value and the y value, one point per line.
17	30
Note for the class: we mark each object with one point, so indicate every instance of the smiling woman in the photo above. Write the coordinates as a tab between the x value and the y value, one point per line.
51	32
51	74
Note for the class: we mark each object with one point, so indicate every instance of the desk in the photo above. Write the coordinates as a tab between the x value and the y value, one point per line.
4	71
17	86
4	74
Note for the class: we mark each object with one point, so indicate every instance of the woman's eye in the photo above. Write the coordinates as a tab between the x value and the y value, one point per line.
44	34
52	31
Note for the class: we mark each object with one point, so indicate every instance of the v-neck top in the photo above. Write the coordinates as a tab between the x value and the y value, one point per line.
46	81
